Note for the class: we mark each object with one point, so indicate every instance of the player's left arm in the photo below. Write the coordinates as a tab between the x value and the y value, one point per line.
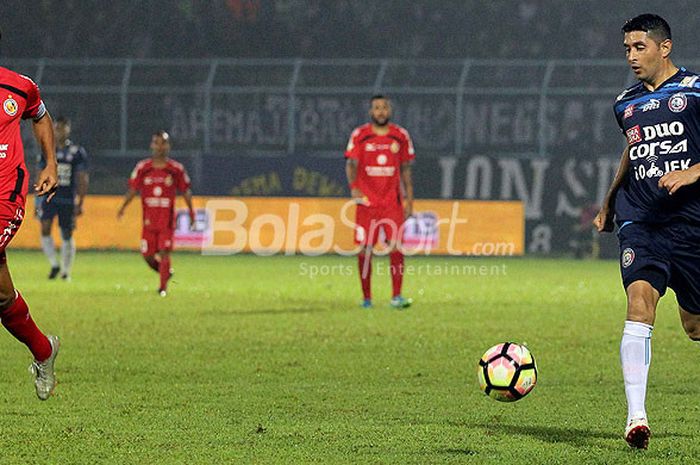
83	181
407	155
187	195
407	180
184	185
48	177
674	180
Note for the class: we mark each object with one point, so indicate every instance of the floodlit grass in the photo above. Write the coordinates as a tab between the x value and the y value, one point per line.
251	360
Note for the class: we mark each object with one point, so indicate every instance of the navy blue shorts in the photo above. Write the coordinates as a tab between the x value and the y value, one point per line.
664	255
64	210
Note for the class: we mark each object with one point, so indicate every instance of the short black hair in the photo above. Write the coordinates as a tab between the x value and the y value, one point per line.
654	25
378	97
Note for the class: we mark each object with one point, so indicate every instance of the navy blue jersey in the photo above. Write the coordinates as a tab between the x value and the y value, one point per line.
72	159
662	128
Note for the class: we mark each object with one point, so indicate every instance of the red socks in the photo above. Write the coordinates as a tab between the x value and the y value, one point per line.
19	323
164	271
365	263
396	264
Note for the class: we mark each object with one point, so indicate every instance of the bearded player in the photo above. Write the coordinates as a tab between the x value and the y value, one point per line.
158	179
378	167
20	99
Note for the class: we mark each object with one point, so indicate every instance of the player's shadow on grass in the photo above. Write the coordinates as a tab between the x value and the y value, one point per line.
555	434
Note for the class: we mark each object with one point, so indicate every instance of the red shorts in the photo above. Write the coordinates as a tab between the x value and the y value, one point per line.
11	216
373	223
153	241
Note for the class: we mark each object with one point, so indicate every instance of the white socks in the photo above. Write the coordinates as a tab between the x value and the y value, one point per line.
49	249
635	355
67	256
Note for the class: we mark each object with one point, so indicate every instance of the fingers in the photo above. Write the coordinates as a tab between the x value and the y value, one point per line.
671	182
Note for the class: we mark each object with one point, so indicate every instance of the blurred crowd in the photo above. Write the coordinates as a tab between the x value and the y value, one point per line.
322	28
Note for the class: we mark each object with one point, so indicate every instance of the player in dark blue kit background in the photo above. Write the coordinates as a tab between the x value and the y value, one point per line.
656	201
67	204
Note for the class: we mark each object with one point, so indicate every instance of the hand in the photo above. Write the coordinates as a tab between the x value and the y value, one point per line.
674	180
78	210
47	182
408	210
120	213
603	221
193	219
359	197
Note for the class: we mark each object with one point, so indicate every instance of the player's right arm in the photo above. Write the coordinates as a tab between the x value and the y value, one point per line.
135	183
48	177
351	174
128	197
351	157
603	221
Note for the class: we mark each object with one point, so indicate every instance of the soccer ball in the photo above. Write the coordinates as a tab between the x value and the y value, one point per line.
507	372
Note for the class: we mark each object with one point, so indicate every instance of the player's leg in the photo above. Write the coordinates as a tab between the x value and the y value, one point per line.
645	268
691	323
365	237
149	247
15	317
165	245
394	233
46	213
66	221
635	357
686	268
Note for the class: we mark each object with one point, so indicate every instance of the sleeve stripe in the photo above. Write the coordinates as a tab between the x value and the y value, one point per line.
17	91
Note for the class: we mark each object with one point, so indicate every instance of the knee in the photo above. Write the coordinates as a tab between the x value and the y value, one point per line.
6	299
692	329
66	234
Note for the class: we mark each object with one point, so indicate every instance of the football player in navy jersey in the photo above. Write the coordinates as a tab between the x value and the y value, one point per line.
67	204
655	199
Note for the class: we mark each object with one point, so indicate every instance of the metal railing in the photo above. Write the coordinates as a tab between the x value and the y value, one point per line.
284	106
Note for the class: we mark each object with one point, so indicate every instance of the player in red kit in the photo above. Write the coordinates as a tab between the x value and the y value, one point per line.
158	179
20	99
378	168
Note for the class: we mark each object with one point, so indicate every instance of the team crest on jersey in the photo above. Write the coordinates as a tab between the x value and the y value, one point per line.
10	106
629	111
627	257
157	191
168	180
677	102
395	147
382	159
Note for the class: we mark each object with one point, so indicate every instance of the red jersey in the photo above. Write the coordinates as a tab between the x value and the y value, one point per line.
20	99
379	159
158	188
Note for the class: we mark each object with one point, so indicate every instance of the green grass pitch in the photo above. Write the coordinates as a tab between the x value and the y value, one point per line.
251	360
